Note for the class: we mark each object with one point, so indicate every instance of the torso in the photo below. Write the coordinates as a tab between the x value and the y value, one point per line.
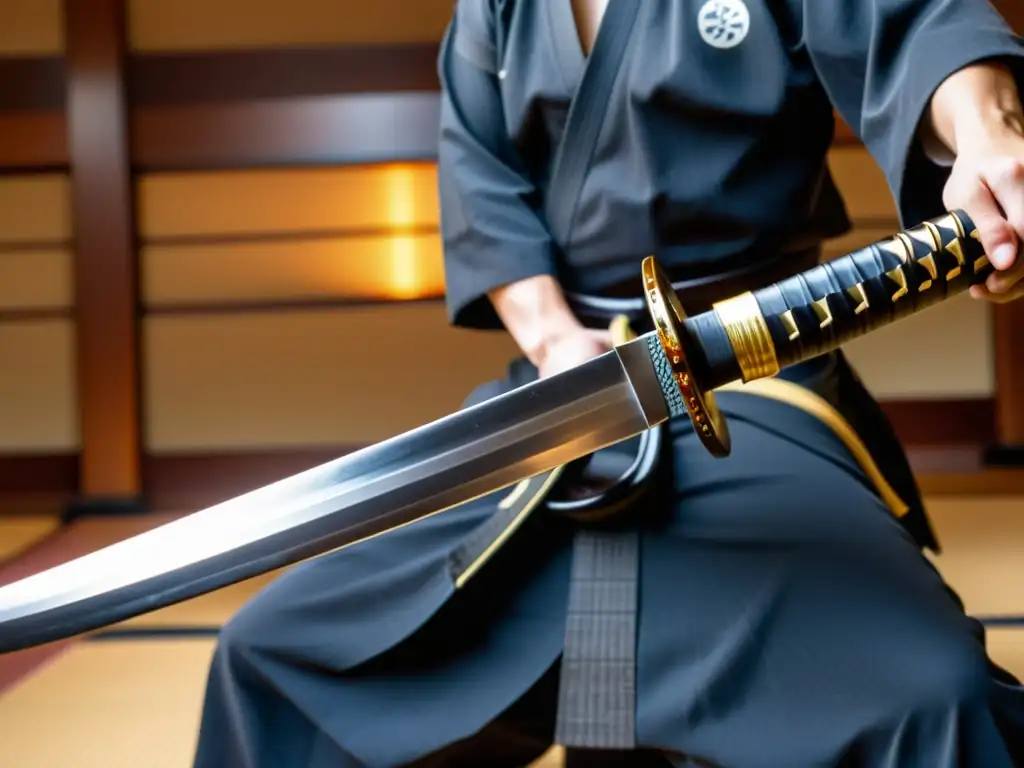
711	156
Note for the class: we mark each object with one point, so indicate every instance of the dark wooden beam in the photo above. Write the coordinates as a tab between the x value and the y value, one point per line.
1013	12
32	127
104	256
948	422
218	77
33	141
315	106
315	130
1008	332
37	484
32	83
299	106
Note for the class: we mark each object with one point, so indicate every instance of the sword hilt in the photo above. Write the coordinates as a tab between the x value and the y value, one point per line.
758	333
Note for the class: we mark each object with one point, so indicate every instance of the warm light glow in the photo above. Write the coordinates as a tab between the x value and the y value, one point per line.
355	233
406	279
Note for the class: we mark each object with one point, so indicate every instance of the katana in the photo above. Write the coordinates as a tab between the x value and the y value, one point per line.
672	371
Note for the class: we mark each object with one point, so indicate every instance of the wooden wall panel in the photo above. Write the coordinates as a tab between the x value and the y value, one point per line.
36	280
305	378
33	141
31	27
272	236
161	25
33	135
863	186
35	235
38	409
34	210
356	268
39	433
243	203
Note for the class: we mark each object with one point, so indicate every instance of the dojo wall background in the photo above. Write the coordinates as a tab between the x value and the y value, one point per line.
291	310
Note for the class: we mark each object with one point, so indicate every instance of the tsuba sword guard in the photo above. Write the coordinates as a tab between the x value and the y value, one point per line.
667	315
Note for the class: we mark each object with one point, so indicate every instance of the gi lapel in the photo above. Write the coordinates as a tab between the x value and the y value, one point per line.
586	116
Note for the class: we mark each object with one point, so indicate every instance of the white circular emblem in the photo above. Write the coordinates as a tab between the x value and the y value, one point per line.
723	23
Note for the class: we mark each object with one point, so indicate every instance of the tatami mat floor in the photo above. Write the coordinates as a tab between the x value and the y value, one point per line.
108	705
134	702
18	533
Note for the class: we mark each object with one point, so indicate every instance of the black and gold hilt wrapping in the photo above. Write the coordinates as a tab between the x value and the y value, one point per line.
825	307
757	334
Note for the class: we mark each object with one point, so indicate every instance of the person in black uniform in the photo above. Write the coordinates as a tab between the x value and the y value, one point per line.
783	612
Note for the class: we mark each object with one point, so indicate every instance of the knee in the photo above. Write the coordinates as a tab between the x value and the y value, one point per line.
234	636
248	631
954	677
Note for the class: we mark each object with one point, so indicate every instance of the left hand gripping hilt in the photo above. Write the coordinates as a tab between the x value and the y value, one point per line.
756	334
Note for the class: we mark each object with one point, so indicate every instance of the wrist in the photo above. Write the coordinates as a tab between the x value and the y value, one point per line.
536	314
975	107
987	129
549	338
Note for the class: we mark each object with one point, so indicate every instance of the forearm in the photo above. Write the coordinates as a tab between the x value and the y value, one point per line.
976	104
536	314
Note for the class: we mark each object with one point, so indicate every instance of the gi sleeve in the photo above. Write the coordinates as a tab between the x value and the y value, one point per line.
880	61
491	229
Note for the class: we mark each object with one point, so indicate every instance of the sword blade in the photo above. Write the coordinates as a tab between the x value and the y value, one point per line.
461	457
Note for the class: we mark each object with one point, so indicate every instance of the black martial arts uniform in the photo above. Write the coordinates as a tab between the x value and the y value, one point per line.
788	617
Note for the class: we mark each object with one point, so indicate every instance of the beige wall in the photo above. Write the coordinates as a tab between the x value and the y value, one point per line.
302	376
308	377
162	25
37	388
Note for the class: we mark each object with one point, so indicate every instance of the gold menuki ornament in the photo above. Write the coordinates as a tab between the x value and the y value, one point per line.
957	250
898	246
860	296
667	315
749	335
